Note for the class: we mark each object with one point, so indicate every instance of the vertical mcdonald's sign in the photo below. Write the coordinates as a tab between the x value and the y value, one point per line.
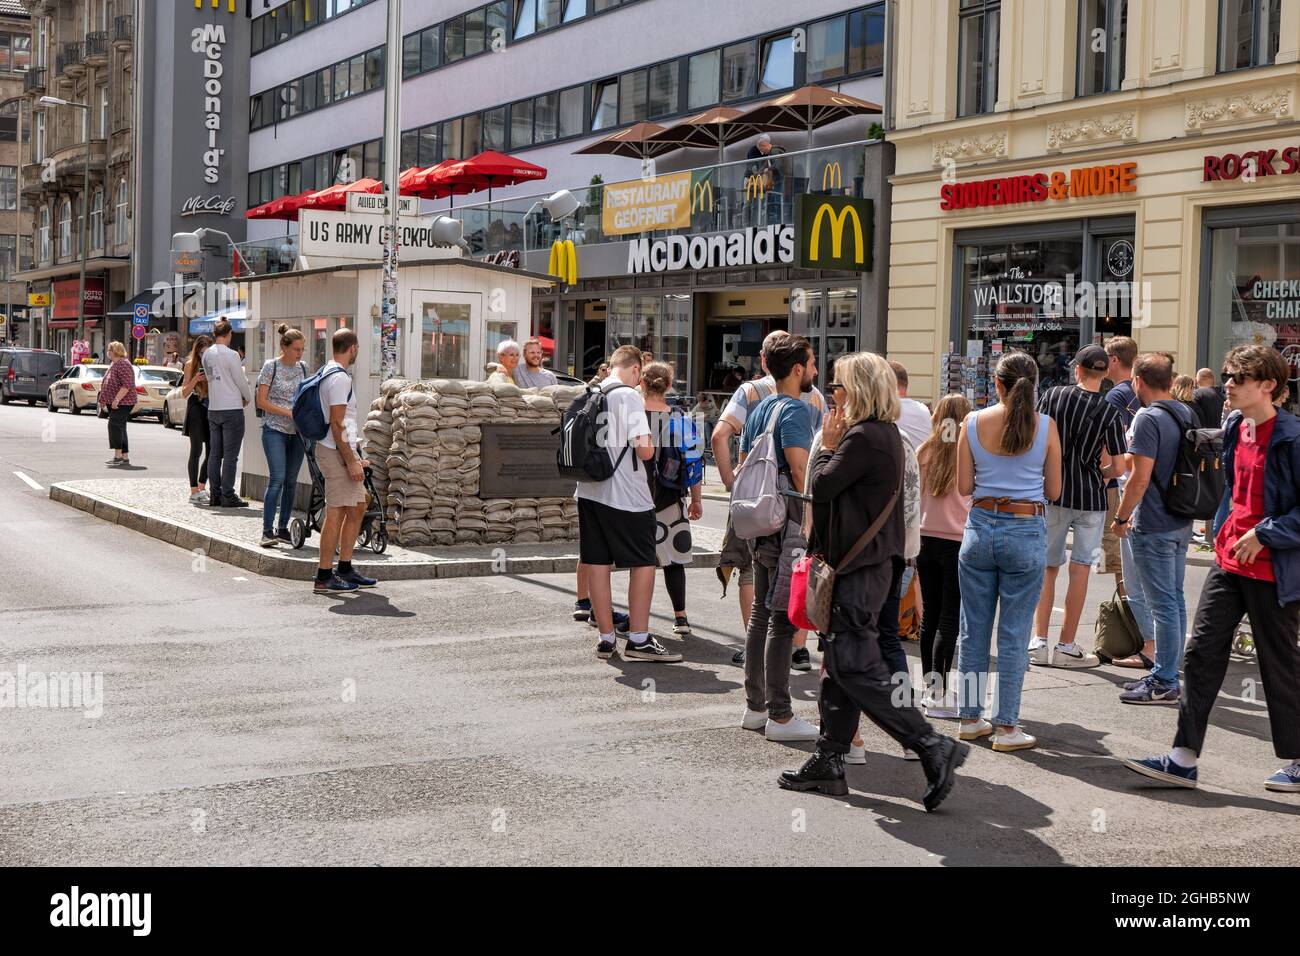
564	261
834	232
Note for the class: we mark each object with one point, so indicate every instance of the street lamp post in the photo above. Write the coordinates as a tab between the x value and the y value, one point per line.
392	159
85	211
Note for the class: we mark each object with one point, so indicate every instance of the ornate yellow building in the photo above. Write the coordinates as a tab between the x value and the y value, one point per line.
1068	170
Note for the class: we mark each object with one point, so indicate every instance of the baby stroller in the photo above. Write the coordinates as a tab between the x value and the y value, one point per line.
374	527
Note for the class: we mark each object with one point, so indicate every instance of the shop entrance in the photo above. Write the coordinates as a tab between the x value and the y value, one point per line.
827	318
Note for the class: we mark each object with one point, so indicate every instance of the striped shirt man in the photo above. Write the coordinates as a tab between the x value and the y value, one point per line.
1087	423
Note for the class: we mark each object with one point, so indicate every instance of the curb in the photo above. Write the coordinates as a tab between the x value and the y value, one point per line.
277	564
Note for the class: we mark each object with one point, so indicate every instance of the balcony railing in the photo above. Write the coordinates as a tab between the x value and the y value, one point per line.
69	56
34	79
123	29
723	197
97	45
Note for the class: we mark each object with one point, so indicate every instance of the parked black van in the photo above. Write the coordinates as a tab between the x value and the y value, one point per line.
28	373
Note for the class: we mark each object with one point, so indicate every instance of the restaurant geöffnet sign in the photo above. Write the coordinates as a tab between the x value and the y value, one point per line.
340	235
643	205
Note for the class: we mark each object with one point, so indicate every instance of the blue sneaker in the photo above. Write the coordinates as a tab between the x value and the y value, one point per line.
359	580
335	583
1286	780
1151	691
1135	684
1165	770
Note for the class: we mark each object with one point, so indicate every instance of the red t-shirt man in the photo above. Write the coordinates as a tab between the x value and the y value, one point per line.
1247	504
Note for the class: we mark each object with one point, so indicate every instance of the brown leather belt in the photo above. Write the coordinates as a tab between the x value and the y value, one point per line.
1010	506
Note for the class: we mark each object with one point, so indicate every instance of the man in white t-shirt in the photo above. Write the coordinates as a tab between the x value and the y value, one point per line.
343	469
913	417
616	517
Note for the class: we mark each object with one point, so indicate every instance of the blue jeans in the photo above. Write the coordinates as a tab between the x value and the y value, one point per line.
1137	602
284	455
1000	569
1161	565
226	429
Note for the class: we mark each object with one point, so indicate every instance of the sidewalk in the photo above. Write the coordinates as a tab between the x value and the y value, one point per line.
156	508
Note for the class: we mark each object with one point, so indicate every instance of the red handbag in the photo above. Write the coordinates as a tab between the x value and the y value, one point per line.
798	610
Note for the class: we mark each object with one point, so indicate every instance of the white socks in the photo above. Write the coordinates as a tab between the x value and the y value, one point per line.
638	637
607	638
1184	757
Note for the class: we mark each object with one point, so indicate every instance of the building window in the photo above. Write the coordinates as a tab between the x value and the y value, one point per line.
571	112
525	18
411	55
471	135
475	27
703	72
9	122
65	229
428	155
452	144
738	71
663	89
977	57
43	234
575	10
8	187
1249	33
867	40
604	105
494	129
632	97
521	122
826	49
778	64
1103	40
546	109
453	40
120	218
103	112
8	251
496	25
39	153
97	220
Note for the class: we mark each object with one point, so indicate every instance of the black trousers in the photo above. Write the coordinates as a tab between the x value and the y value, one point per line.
857	679
117	419
1225	599
936	566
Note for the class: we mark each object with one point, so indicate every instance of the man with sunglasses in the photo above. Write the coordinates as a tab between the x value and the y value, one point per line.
1256	572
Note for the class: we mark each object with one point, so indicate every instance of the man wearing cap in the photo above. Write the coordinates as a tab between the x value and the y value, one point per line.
1092	451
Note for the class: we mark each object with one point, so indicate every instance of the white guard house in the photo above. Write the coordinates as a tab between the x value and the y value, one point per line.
453	312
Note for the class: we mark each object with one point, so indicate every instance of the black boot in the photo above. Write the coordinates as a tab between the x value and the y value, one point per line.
821	773
940	756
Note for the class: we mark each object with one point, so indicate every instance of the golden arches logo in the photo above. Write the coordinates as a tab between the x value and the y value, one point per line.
832	175
216	5
564	261
838	222
755	187
698	192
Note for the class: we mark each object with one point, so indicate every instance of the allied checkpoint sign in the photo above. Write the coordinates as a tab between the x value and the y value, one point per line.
342	235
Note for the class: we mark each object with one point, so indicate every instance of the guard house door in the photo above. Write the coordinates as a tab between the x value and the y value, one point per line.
447	333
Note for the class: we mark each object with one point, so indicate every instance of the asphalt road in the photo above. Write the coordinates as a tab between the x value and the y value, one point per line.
245	720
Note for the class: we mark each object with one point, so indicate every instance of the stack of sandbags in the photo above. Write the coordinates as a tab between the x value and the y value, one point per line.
562	395
510	402
471	522
499	521
412	460
377	433
482	403
555	525
523	516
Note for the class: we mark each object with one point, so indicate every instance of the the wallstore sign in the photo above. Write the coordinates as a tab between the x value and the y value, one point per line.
1058	185
1251	164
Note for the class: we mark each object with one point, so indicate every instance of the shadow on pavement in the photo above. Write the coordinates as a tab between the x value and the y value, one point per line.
673	678
367	604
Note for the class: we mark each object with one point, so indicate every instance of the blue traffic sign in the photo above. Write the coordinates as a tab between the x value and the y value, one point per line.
141	316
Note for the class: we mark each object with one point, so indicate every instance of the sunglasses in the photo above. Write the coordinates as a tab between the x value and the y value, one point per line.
833	386
1236	378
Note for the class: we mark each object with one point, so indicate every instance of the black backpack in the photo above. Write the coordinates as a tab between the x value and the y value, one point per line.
1195	487
582	455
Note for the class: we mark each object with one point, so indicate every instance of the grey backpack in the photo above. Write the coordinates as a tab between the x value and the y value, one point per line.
758	508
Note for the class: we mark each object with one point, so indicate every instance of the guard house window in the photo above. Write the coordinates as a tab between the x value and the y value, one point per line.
8	187
1249	33
1103	40
778	64
977	58
738	71
703	76
119	219
65	229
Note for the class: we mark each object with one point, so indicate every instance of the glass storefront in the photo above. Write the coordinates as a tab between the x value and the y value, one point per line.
827	318
1254	288
653	323
444	340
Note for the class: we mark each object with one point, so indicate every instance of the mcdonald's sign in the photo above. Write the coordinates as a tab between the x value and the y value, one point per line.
835	232
832	176
701	189
755	187
564	261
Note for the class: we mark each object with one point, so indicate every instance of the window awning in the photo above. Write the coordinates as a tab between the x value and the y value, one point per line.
127	309
71	323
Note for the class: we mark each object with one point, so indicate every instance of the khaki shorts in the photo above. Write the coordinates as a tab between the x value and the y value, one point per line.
1109	542
340	490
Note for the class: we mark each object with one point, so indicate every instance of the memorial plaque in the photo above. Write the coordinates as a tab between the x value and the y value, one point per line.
518	461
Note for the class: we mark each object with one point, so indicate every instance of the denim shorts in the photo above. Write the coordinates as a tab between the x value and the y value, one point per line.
1088	527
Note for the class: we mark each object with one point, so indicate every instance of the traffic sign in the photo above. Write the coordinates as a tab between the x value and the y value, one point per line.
138	331
141	315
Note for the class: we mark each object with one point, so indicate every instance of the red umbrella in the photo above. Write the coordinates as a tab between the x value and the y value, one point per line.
336	197
428	183
489	169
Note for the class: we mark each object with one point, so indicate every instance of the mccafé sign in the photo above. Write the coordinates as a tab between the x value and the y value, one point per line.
1250	164
1078	183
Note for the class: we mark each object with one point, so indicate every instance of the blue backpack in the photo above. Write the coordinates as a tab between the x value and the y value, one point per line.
308	415
679	461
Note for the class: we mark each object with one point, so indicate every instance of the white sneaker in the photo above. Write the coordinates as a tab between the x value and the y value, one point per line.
1072	656
1016	740
856	755
981	728
910	754
199	498
754	719
794	730
1040	651
942	713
